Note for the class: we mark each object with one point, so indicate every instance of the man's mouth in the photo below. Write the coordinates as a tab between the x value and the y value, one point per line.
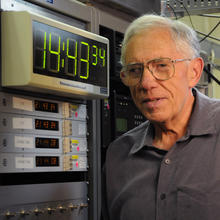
153	102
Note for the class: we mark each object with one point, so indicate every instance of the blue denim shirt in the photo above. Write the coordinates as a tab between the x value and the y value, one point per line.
143	183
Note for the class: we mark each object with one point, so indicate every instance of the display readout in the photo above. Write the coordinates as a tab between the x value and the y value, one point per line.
63	54
121	124
45	106
46	124
51	143
47	161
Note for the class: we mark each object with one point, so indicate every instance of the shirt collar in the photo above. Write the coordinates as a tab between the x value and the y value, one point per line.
201	123
141	136
202	119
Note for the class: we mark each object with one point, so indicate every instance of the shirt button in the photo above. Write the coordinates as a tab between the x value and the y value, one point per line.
167	161
162	196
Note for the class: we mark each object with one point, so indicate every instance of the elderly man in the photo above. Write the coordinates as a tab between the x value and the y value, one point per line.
169	167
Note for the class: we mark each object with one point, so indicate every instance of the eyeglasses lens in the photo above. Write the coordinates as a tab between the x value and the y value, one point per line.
134	73
161	69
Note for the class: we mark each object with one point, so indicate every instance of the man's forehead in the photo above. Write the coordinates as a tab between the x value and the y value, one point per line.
150	45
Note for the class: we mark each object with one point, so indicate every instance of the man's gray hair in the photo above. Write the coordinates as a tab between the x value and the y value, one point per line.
185	37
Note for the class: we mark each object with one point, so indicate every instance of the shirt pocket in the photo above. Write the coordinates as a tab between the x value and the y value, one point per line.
191	205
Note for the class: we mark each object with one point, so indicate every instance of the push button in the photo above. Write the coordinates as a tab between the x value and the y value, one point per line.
167	161
162	196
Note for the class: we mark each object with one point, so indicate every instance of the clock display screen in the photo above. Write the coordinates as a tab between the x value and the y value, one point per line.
47	161
66	55
46	125
41	142
45	106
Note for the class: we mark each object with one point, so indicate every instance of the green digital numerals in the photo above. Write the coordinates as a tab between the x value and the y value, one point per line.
84	60
54	54
67	55
71	47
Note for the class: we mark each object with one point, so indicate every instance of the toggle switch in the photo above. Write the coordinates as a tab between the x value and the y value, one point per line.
9	214
72	207
24	213
62	208
50	210
83	205
38	211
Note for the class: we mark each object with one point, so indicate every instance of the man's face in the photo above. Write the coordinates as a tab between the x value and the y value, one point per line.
159	101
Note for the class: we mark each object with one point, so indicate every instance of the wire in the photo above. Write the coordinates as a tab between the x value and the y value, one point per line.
213	38
206	35
181	2
209	16
210	32
169	6
211	76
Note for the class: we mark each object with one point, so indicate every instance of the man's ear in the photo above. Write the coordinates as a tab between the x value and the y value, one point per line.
195	71
123	77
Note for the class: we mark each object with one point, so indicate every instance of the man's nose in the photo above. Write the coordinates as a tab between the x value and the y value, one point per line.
147	80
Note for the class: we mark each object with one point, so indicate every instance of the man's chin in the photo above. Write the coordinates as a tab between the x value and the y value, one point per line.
157	117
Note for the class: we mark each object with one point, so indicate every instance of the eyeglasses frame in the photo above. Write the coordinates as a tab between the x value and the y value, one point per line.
146	63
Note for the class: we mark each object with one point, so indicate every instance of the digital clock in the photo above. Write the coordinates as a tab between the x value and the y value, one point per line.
41	142
47	161
41	54
45	106
51	125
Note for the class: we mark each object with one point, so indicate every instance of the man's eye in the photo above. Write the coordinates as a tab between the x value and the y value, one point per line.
135	70
160	65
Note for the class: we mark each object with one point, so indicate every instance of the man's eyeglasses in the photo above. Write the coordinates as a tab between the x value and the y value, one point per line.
161	69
